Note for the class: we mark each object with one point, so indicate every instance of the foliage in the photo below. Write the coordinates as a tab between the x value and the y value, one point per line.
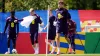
20	5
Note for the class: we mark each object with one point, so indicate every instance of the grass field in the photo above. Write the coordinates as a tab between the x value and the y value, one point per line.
50	55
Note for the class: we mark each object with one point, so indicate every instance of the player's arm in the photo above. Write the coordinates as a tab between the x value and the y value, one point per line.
17	28
55	22
6	25
74	26
46	27
40	21
20	20
67	14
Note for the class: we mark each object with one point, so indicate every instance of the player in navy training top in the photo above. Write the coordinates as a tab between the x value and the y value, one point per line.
71	34
34	27
61	27
51	30
12	25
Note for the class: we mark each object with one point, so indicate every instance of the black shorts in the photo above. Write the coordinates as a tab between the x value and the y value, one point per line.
51	34
11	36
34	37
62	29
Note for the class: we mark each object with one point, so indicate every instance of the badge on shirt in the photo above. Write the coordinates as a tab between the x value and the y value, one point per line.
33	22
59	16
12	24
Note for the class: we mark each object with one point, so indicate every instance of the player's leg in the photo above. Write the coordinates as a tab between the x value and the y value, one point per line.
32	41
73	43
14	44
8	43
58	42
53	46
65	32
36	41
58	31
52	36
68	38
51	43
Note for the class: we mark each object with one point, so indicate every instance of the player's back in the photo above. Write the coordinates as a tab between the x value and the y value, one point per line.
51	21
71	26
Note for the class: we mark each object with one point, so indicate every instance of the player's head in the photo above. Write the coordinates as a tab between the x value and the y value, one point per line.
31	11
50	11
12	13
60	4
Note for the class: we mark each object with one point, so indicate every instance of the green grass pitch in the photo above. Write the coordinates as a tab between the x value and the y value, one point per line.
50	55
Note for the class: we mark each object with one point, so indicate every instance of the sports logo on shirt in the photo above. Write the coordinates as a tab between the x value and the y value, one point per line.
12	24
33	22
59	16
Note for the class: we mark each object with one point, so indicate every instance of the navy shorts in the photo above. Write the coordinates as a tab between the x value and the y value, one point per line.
12	36
34	37
51	34
62	29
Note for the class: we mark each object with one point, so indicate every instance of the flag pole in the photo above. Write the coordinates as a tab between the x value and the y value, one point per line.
47	30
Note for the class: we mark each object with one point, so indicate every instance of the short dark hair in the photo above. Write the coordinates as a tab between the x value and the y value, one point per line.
61	2
12	12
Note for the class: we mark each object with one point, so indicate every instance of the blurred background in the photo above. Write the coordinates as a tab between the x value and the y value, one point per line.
83	12
21	5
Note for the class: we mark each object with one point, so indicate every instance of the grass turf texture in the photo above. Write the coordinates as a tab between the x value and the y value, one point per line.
50	55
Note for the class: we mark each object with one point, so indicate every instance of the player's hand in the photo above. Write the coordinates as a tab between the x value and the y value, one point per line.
17	35
44	28
45	40
41	24
15	21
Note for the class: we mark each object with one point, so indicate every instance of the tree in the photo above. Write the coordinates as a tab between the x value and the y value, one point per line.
0	5
20	5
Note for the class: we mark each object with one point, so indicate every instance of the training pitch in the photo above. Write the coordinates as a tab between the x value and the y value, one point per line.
50	55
